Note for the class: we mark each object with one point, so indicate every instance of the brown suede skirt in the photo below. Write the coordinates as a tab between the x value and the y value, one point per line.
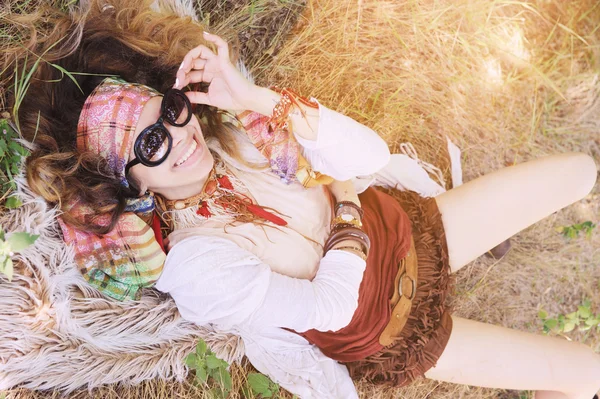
427	331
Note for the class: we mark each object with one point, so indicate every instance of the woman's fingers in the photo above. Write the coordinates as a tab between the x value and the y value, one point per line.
199	63
197	97
200	51
193	77
196	58
223	48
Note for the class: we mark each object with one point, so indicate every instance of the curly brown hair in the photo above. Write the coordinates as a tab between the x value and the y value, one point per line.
131	41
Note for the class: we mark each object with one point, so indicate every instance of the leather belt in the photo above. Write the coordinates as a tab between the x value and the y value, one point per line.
405	289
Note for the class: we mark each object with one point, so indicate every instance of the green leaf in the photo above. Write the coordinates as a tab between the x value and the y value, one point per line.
190	361
588	224
259	383
572	315
551	324
246	392
584	311
592	322
223	377
585	328
8	268
14	146
542	314
65	72
217	393
201	348
212	362
201	374
20	241
13	202
569	326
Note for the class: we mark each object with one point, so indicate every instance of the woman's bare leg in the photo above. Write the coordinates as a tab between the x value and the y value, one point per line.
491	356
482	213
479	215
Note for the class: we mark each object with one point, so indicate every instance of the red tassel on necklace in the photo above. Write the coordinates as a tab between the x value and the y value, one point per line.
203	210
225	182
262	213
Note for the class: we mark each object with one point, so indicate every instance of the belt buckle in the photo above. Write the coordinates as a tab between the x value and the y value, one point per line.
413	290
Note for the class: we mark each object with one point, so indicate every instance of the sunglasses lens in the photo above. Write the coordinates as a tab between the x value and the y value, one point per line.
176	110
154	144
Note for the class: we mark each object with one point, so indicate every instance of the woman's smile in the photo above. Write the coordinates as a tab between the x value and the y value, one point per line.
191	156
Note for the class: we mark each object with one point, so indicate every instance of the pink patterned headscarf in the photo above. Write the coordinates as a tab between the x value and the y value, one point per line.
108	120
128	257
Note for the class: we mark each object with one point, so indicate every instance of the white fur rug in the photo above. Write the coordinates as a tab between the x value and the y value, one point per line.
58	332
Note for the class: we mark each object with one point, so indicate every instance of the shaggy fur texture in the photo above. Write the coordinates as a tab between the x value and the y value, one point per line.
59	332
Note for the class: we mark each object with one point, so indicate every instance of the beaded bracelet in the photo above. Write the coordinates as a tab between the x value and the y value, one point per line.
351	204
340	225
351	233
288	99
356	250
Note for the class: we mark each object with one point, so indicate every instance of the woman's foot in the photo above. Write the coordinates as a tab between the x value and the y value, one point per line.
499	250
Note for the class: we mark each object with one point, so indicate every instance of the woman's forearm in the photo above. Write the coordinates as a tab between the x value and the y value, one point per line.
265	100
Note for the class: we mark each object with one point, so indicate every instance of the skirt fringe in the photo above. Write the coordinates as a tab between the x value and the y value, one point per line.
428	328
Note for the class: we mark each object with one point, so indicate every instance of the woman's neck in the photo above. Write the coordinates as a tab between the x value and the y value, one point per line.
183	192
189	190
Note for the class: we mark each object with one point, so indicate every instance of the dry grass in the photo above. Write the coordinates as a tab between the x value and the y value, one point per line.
508	81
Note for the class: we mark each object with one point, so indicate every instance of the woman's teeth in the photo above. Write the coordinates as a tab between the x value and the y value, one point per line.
187	154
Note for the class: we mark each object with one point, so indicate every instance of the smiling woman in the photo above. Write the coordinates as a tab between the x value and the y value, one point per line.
182	167
324	283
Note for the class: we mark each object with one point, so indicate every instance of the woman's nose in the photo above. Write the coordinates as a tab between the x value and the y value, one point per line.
179	134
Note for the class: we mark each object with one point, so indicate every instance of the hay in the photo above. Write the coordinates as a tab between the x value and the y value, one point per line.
508	82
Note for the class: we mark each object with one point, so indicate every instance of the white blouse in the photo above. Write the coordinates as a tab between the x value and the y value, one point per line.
252	286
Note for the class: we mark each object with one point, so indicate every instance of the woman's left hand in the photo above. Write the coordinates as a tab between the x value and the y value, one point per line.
228	88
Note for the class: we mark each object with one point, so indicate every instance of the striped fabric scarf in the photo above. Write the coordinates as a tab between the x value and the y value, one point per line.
129	257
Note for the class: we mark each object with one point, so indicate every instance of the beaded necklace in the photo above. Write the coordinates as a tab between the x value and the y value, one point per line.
220	199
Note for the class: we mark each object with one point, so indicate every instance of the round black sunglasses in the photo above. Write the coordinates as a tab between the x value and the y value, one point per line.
154	143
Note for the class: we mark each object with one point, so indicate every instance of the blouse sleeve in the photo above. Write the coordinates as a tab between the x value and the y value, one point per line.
344	148
213	280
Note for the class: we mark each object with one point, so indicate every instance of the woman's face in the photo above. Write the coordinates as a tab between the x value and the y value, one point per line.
186	168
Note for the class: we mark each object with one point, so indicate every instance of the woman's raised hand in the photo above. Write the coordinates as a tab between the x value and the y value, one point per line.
228	88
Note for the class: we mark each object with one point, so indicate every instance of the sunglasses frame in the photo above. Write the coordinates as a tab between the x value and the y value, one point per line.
159	124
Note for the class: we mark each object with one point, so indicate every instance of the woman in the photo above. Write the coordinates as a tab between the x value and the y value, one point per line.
247	250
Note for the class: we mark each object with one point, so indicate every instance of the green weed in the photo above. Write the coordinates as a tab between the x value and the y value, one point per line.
573	230
260	384
210	371
11	155
9	245
583	319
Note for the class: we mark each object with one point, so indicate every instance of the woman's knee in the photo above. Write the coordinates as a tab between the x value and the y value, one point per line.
586	172
588	372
